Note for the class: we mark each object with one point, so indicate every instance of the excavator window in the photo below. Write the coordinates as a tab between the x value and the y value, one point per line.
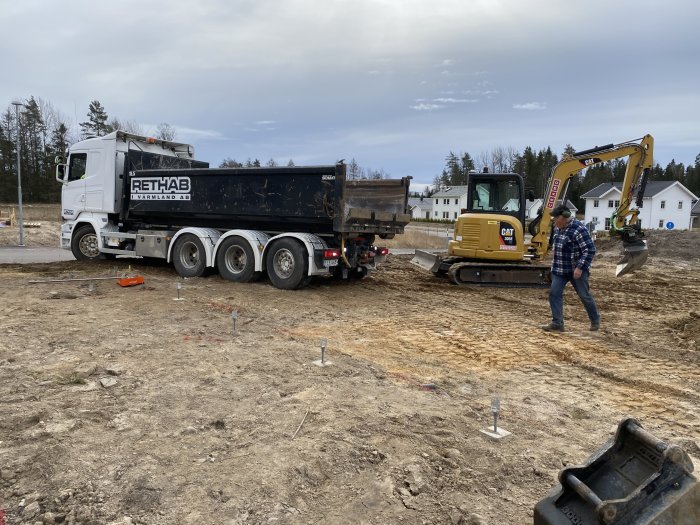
497	193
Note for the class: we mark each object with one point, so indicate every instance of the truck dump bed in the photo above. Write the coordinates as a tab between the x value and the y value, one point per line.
315	199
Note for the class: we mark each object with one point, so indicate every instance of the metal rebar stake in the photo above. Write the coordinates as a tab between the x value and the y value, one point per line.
234	316
495	409
178	287
324	343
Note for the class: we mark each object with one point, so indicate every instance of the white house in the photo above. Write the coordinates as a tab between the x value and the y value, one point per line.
448	202
421	207
666	205
695	215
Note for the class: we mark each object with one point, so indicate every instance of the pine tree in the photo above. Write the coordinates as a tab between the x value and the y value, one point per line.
8	175
96	125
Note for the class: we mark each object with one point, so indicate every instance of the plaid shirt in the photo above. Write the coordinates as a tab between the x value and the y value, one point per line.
573	248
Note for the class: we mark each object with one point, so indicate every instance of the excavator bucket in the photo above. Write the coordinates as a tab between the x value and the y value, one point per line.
633	479
634	256
426	260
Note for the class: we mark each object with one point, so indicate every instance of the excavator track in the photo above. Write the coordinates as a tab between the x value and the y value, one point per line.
522	275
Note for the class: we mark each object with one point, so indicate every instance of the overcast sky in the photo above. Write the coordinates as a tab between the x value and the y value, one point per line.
396	84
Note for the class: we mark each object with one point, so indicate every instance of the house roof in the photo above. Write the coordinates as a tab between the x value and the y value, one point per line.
425	204
653	187
453	191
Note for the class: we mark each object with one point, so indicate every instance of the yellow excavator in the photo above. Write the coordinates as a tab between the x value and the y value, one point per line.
489	245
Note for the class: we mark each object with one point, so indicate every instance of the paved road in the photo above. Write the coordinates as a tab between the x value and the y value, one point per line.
33	254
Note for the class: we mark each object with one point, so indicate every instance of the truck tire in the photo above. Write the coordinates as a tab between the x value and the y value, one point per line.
287	264
236	261
189	257
84	244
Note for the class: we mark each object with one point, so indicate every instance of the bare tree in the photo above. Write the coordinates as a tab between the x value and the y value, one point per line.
125	125
228	162
165	131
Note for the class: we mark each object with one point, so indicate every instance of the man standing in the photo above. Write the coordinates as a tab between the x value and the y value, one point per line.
573	255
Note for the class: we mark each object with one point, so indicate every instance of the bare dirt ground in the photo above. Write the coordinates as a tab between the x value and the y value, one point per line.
122	405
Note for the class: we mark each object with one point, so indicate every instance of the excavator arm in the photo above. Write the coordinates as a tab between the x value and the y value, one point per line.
624	221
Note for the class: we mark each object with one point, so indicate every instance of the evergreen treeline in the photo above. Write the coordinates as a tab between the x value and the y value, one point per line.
536	167
43	134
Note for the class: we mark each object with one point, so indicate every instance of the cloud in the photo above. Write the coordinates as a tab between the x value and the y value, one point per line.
426	107
531	106
447	62
192	133
455	100
265	122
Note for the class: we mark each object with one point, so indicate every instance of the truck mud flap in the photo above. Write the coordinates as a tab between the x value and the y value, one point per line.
501	275
634	479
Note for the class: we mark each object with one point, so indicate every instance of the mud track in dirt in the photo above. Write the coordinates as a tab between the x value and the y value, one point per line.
197	425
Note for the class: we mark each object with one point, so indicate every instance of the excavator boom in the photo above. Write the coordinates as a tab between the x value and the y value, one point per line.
624	221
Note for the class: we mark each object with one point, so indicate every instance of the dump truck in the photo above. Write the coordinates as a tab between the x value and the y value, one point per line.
129	195
489	245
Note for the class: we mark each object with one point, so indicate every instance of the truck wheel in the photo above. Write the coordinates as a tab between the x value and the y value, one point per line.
287	264
84	244
236	260
189	257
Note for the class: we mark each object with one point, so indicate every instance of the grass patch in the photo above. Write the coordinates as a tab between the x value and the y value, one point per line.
72	379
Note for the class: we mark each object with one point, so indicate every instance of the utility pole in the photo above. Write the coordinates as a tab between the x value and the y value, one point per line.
17	104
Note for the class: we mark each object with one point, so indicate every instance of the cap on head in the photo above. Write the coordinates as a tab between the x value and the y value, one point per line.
561	211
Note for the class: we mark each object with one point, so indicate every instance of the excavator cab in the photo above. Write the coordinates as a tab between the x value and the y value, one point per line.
491	227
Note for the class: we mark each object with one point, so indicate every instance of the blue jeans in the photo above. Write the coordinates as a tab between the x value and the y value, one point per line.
556	297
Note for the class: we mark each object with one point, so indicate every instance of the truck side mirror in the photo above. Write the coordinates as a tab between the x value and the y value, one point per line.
58	159
61	173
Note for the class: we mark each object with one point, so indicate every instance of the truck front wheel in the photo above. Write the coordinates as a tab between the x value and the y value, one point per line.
287	264
84	244
236	260
189	257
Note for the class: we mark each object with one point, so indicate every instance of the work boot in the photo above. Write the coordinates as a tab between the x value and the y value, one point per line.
551	327
595	326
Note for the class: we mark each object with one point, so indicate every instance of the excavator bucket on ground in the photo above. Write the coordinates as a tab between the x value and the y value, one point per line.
634	256
426	260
